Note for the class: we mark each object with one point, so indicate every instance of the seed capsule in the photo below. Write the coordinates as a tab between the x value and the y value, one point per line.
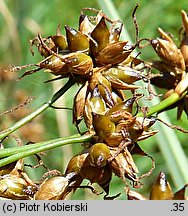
161	190
85	26
80	166
74	166
103	126
100	175
118	96
79	104
77	41
12	187
180	195
76	163
75	62
79	63
97	103
99	154
54	65
113	53
123	165
7	168
123	73
96	79
115	32
167	51
112	128
54	188
139	130
100	36
123	80
59	42
121	110
106	93
104	87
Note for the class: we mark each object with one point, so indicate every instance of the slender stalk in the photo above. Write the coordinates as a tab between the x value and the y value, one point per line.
17	149
24	121
16	153
38	111
159	107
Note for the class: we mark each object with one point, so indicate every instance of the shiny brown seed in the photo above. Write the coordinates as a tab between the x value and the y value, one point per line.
76	163
76	40
78	63
103	126
97	103
161	189
99	153
100	175
59	42
100	37
121	111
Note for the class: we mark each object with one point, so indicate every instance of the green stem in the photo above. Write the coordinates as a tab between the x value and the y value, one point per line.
38	111
23	121
17	149
172	99
16	153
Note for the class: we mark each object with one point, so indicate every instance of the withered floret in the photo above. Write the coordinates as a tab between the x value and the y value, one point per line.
172	66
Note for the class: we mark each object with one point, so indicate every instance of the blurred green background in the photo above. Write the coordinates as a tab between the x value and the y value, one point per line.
20	21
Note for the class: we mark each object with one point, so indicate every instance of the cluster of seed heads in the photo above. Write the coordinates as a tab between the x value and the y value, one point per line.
106	69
